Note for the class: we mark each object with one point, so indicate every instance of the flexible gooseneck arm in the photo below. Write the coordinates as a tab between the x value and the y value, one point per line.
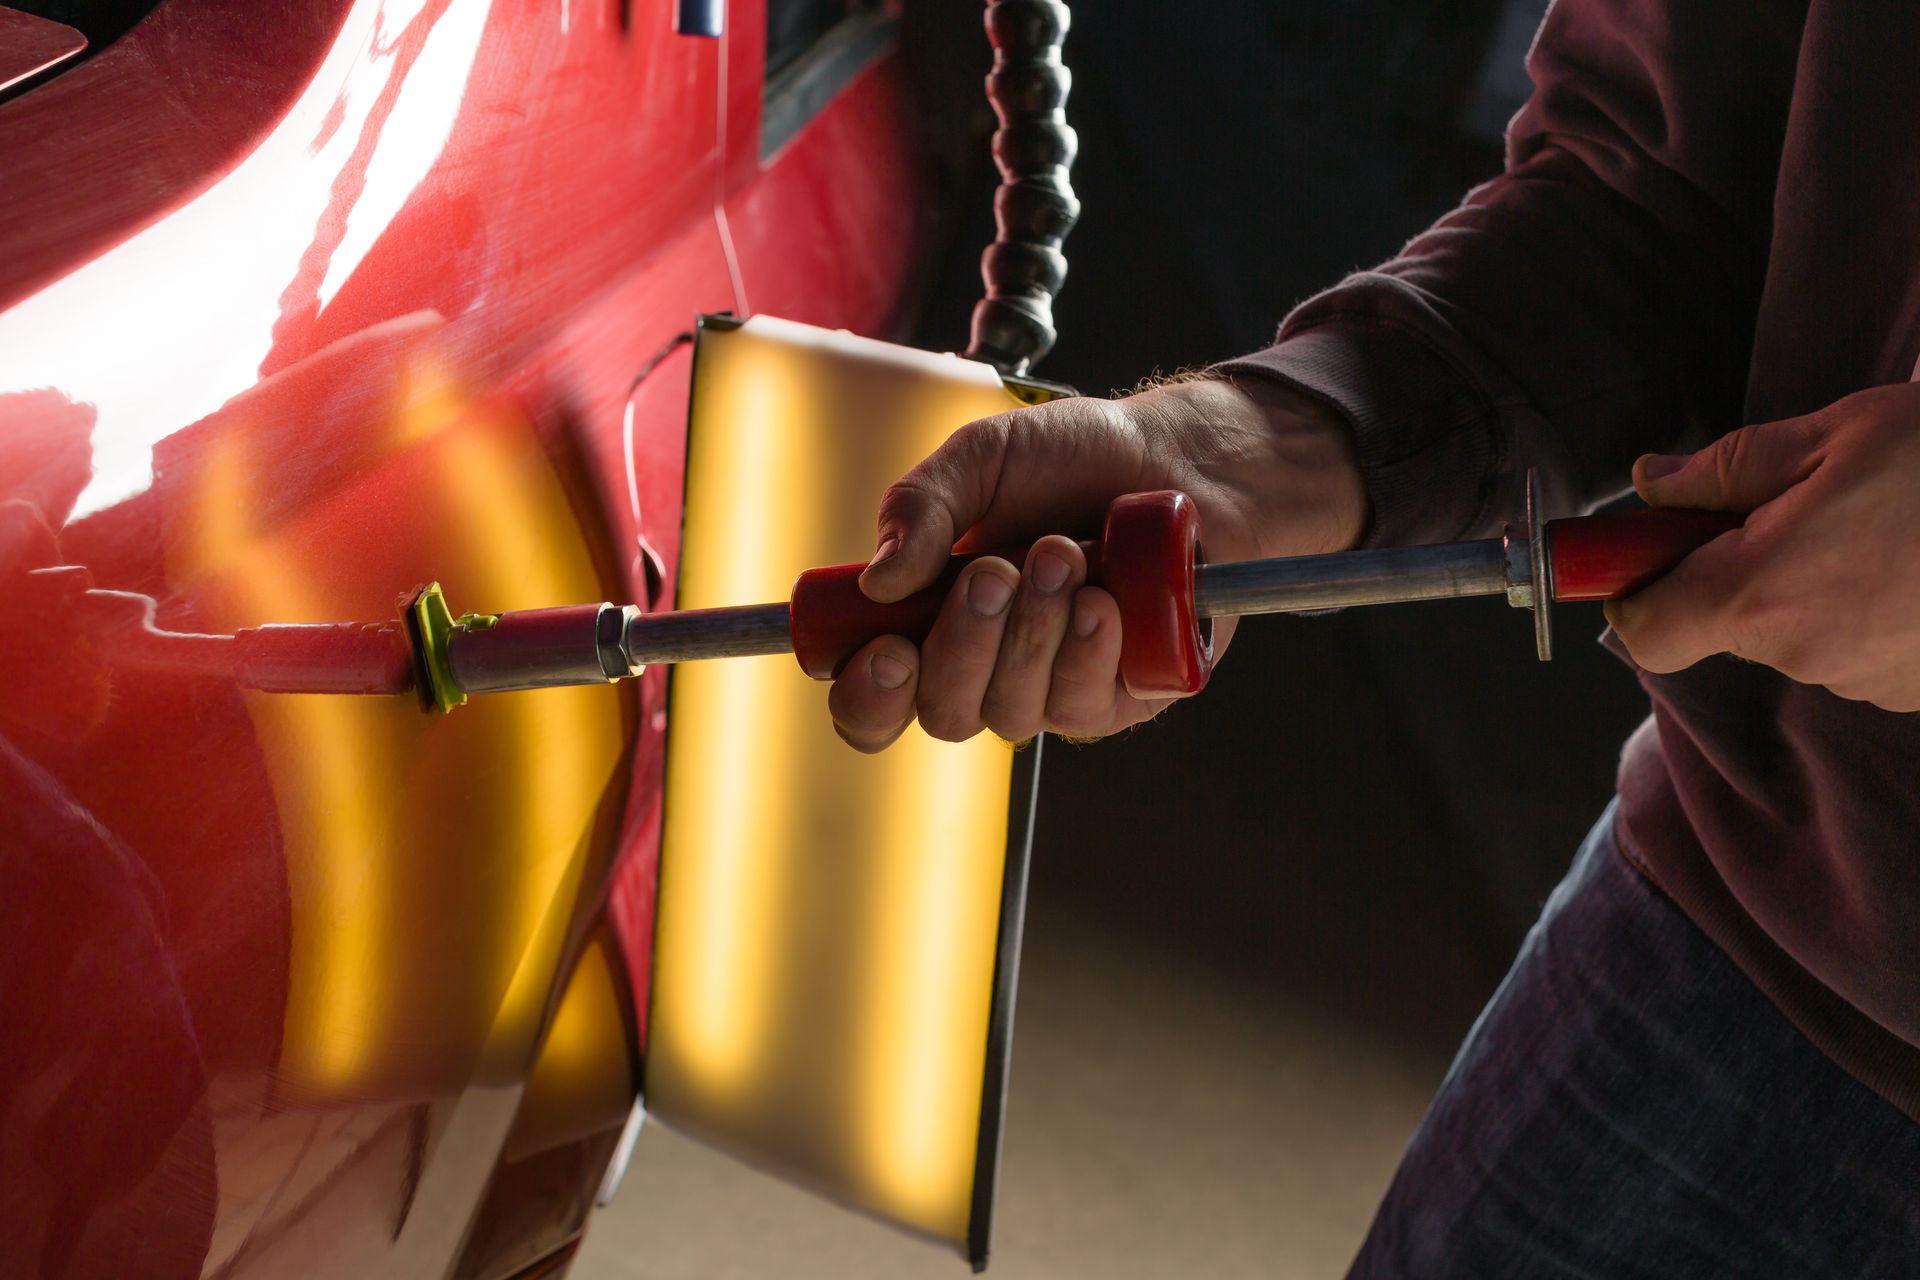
1035	207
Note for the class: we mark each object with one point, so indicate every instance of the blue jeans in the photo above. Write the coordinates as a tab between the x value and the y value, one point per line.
1629	1104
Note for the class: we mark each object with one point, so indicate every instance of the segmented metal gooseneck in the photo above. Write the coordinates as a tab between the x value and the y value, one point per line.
1035	207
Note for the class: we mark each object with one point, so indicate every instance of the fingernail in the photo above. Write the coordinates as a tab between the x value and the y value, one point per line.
884	551
1656	466
988	593
1085	621
887	672
1048	571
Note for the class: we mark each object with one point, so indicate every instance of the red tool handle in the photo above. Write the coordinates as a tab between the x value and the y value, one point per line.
1146	558
1607	556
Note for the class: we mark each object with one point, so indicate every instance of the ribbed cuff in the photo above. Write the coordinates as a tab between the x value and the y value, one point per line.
1428	439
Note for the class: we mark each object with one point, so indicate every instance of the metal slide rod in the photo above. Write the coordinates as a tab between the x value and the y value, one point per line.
1343	578
739	631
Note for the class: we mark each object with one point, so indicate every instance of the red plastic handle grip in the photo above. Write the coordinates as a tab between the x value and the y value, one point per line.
1145	558
1149	553
832	618
1607	556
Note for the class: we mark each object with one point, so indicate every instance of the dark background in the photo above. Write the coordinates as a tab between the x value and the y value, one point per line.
1367	808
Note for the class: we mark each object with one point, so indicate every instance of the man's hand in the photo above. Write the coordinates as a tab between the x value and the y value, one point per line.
1821	583
1021	649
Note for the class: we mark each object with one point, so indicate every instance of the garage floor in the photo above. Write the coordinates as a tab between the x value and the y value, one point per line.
1166	1118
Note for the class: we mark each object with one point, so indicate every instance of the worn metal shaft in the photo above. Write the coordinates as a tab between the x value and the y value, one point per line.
741	631
1292	585
1300	583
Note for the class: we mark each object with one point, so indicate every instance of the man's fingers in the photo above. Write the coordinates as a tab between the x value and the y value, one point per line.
1707	603
1015	705
927	510
918	527
1083	700
1737	472
960	651
1692	612
872	700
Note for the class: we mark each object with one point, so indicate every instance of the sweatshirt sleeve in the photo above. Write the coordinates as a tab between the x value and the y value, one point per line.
1593	302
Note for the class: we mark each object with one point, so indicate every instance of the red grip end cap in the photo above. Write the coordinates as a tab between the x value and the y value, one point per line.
1148	555
1608	556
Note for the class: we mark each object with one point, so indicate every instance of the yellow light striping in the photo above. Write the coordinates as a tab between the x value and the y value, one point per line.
582	1081
739	711
827	922
559	754
325	766
431	863
927	999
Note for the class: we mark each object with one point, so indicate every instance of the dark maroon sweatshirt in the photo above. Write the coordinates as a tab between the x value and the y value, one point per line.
1710	216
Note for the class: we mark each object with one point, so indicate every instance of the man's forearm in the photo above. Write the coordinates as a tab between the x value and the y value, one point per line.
1595	301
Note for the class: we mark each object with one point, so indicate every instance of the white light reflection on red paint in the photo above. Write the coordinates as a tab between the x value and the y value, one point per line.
165	327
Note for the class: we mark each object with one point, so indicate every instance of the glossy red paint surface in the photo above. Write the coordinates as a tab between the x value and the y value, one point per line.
297	311
1614	554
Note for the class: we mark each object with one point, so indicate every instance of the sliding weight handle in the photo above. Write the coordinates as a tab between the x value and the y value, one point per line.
1146	558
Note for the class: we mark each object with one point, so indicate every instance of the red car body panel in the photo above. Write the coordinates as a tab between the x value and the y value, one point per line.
296	313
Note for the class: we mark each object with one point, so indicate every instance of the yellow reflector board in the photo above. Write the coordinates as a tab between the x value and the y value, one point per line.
837	935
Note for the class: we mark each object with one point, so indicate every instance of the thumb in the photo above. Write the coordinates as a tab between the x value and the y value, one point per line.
927	510
1738	472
